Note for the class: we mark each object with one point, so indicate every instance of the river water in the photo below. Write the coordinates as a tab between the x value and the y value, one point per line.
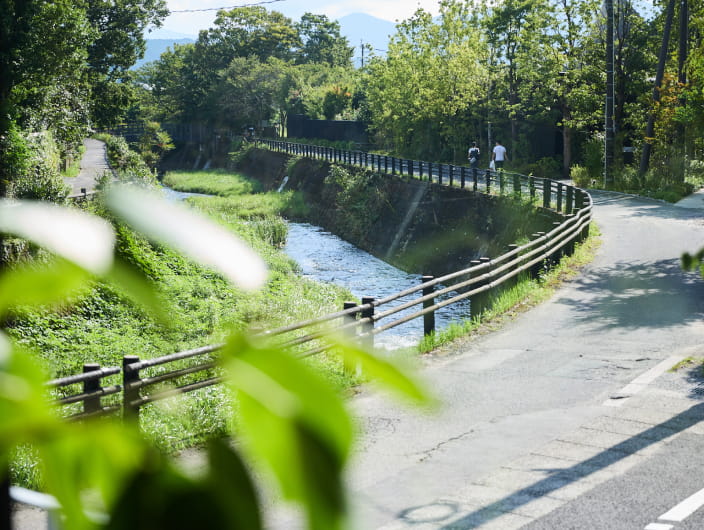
324	257
327	258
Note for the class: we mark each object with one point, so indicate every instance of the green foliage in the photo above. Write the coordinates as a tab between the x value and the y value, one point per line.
291	422
15	159
356	193
336	100
40	178
154	143
580	176
128	163
594	158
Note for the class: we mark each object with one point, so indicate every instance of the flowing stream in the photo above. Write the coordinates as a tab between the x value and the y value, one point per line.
325	257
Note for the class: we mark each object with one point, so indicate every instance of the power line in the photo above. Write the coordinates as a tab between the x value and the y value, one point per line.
225	7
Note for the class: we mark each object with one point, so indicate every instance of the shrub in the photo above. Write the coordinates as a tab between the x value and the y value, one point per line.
38	177
580	176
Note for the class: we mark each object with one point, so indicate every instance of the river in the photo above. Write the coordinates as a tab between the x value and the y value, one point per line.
325	257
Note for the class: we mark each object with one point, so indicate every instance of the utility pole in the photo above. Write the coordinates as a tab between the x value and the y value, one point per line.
361	47
488	137
610	92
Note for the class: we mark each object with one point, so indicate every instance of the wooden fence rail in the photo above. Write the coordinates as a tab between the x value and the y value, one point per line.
125	389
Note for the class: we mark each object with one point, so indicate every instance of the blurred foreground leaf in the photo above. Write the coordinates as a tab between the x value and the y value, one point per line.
191	234
40	285
294	425
79	237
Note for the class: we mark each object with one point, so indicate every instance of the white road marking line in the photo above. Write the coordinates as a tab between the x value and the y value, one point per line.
659	526
642	381
684	509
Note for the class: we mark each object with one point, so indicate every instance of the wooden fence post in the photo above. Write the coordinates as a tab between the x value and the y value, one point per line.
351	332
91	404
463	176
536	269
547	194
488	181
569	208
531	188
559	196
129	392
368	327
517	186
428	318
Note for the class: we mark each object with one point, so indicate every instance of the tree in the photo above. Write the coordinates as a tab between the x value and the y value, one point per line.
250	31
42	53
119	28
322	42
421	95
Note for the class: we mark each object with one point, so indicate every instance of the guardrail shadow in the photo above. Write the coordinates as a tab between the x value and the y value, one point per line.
556	479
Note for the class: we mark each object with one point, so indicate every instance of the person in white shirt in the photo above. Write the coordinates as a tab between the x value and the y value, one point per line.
499	155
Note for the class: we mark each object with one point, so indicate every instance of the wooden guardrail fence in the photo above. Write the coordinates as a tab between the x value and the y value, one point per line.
122	390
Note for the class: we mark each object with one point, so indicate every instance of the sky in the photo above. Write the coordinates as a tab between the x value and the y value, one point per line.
192	22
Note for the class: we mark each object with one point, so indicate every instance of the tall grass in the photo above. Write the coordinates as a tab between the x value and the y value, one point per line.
527	293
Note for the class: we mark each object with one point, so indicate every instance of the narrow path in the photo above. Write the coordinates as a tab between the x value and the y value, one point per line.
93	164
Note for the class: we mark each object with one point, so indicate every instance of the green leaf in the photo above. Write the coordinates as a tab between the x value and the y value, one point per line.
84	239
192	234
294	424
41	285
24	408
383	372
232	485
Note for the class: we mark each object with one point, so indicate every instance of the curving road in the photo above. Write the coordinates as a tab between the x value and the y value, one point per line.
94	163
568	417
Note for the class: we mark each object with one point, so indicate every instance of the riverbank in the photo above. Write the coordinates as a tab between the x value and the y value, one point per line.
103	324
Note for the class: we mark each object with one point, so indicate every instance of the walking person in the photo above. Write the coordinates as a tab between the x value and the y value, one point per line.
473	155
499	155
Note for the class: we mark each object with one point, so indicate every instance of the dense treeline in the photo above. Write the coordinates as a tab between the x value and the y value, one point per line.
530	73
64	67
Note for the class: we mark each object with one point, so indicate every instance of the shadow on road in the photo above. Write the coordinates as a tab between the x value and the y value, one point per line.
643	295
442	512
645	207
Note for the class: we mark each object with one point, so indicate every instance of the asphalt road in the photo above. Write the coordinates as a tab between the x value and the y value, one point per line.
568	416
93	164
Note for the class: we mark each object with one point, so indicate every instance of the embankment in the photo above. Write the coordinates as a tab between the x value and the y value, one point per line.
417	226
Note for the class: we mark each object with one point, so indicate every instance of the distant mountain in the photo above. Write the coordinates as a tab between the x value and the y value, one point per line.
359	27
155	47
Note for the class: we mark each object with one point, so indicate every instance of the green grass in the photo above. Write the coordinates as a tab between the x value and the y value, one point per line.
104	325
213	182
527	293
